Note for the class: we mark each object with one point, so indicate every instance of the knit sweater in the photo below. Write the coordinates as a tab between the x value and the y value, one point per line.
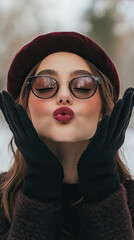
110	219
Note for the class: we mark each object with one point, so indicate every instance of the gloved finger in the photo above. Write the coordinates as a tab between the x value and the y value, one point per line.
12	115
126	94
101	131
25	120
128	90
116	112
3	109
130	113
129	116
114	118
125	114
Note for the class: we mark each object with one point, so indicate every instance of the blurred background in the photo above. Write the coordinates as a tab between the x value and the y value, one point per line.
109	23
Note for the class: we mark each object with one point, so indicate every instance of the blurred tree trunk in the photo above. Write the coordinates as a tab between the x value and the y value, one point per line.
102	24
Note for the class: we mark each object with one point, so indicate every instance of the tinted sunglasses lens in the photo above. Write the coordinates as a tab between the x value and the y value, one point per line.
44	87
83	87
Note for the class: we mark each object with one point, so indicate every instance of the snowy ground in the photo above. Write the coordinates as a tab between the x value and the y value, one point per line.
6	155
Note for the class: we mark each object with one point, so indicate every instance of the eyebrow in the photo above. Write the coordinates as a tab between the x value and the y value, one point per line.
52	72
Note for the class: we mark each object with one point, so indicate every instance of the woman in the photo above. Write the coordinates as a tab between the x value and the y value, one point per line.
67	180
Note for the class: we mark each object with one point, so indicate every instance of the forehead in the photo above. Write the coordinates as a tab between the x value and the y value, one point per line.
63	61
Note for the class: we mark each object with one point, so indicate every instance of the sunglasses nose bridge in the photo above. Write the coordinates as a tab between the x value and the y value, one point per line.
64	84
64	81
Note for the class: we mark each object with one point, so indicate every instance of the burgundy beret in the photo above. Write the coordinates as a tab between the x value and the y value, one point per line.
46	44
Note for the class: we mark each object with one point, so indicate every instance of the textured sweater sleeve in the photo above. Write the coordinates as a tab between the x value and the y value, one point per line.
111	218
31	220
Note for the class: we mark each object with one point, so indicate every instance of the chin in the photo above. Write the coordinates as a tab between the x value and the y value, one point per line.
60	138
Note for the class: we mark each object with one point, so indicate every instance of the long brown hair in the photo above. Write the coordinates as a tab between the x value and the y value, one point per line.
15	175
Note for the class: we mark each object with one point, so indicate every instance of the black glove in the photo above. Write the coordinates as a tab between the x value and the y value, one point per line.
96	167
44	171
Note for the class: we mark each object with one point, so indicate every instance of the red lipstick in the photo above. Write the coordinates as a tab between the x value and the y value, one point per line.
63	114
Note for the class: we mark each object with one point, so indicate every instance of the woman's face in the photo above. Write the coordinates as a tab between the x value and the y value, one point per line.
86	111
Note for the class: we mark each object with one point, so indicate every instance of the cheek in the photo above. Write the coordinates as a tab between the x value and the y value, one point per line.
36	107
91	111
92	108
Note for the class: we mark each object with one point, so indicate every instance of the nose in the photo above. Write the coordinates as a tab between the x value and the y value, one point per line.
64	95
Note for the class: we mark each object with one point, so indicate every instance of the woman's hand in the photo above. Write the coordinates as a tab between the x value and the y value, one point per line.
45	173
97	164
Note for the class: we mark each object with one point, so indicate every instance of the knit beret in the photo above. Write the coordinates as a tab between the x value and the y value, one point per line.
49	43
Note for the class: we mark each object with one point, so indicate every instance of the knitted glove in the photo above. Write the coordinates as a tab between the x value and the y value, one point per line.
44	171
96	167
